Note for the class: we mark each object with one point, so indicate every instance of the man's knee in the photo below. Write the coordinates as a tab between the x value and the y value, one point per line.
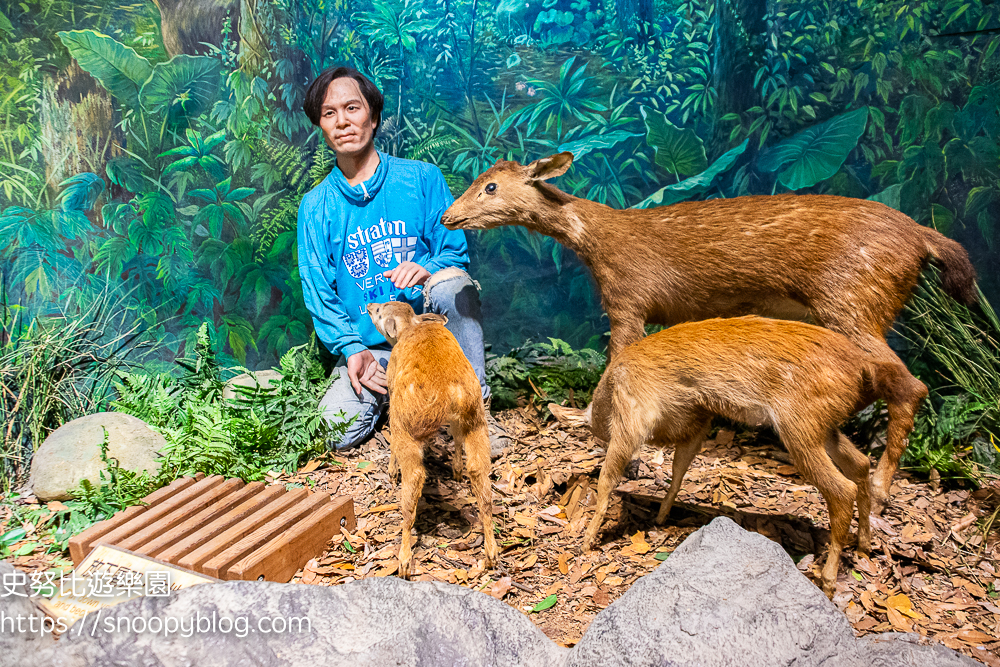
450	279
340	404
453	292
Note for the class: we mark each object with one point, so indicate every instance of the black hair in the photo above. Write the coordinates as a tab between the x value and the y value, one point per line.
313	104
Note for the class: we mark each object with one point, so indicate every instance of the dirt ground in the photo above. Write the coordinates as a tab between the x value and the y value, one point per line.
934	560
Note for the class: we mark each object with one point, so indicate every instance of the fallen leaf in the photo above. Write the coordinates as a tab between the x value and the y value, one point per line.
854	612
964	523
388	569
56	506
898	620
530	561
500	587
564	563
975	637
547	603
639	544
902	604
380	508
314	464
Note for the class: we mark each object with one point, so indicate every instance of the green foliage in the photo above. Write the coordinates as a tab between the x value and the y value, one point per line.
681	152
119	68
57	368
815	154
182	89
259	430
550	372
956	352
671	194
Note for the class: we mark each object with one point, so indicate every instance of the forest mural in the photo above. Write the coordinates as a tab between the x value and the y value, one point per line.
153	153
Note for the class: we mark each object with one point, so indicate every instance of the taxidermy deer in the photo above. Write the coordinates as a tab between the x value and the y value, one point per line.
846	264
800	379
431	383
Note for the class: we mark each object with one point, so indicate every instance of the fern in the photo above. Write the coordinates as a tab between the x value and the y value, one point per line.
551	372
277	220
431	145
288	161
323	163
147	397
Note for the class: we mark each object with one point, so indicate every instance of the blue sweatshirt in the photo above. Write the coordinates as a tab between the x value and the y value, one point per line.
349	235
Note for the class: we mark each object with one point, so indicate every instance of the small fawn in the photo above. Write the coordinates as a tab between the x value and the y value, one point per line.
847	264
799	379
431	383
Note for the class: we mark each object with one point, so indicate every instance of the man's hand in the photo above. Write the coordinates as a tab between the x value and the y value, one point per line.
364	369
407	274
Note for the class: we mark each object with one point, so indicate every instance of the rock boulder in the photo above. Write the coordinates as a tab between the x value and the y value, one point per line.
263	378
72	453
724	597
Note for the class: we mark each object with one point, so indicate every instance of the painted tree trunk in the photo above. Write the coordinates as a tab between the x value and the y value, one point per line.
634	16
188	25
79	130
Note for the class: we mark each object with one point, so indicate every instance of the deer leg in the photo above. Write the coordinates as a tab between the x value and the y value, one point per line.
856	467
477	450
902	411
625	330
868	333
811	459
684	454
619	454
393	467
410	456
457	462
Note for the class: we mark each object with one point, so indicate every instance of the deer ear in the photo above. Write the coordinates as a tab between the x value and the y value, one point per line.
430	317
550	167
390	327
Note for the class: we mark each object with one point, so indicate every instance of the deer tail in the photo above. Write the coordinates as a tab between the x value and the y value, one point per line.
958	276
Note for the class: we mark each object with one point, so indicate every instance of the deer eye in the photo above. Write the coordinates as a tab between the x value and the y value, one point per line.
491	188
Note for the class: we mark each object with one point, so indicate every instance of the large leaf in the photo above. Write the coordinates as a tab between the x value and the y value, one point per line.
81	192
889	196
672	194
816	153
5	25
678	151
581	147
119	68
126	172
183	87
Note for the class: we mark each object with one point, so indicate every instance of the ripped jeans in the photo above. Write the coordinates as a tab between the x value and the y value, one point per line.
450	292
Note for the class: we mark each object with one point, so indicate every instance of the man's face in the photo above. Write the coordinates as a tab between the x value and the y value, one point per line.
345	118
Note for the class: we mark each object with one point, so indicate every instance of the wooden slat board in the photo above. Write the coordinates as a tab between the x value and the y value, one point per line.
225	529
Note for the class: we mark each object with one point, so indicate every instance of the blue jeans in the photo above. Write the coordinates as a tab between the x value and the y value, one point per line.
450	292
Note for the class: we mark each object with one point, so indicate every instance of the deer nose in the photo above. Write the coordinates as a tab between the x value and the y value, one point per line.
451	221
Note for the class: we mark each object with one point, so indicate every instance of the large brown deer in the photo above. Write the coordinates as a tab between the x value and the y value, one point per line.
799	379
845	264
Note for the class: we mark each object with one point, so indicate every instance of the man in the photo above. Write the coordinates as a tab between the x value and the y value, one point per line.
371	233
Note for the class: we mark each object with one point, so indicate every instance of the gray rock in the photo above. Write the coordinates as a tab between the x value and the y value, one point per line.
375	622
724	597
23	631
72	453
730	597
263	378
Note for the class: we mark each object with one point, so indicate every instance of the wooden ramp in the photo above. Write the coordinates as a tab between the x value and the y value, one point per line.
224	528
